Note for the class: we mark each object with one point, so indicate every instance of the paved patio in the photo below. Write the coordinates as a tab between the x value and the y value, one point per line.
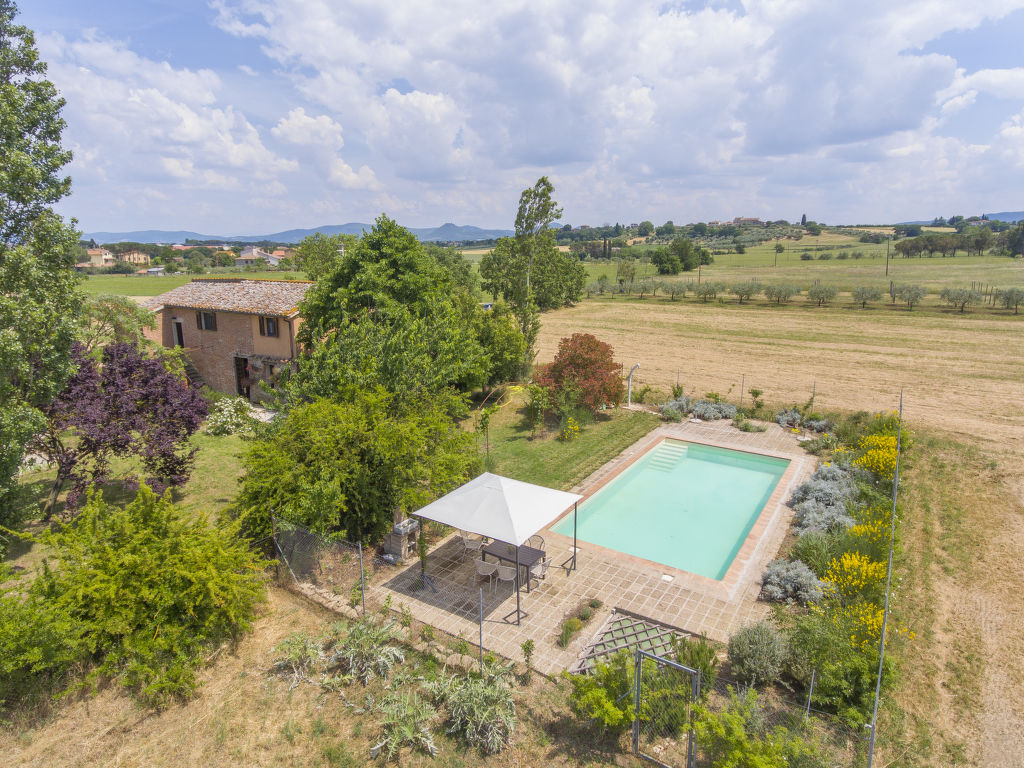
693	603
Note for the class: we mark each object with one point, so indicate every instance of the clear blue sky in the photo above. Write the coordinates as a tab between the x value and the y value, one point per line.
250	116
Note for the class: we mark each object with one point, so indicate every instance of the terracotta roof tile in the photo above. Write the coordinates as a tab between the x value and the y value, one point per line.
252	297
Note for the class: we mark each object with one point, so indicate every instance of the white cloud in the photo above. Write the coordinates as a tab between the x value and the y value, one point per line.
299	128
343	175
446	110
141	126
1004	83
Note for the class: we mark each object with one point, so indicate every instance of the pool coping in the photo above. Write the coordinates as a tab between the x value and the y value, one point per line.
752	549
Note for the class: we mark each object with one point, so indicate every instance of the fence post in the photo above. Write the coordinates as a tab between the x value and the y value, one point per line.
636	702
810	692
362	582
481	630
691	750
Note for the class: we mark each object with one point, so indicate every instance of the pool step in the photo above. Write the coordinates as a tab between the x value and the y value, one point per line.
667	456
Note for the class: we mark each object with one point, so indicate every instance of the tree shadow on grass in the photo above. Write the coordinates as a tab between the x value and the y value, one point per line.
581	743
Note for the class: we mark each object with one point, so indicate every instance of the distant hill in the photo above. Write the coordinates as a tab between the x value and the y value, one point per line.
1011	217
446	232
1008	216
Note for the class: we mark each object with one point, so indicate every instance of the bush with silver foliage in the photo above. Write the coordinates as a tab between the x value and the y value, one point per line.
788	418
709	410
790	582
812	515
676	409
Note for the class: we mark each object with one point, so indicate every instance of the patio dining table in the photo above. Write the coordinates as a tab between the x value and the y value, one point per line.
528	556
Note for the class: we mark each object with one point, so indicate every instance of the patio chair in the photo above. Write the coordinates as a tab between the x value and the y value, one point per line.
536	541
507	573
539	570
486	570
471	546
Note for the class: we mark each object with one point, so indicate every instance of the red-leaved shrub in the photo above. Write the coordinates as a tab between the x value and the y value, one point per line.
585	365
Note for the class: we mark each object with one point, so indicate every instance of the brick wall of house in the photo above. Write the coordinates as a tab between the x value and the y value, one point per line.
212	352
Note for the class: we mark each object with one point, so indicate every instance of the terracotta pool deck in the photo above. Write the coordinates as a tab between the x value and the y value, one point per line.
693	603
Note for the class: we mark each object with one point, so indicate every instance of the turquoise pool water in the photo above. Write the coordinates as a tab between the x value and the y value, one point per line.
684	505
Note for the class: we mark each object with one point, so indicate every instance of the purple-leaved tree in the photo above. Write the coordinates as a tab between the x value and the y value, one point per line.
130	405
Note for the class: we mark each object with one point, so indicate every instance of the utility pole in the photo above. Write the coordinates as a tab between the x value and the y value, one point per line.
888	239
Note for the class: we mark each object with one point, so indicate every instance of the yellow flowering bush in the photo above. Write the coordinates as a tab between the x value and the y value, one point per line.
862	620
570	430
878	455
886	423
872	536
852	576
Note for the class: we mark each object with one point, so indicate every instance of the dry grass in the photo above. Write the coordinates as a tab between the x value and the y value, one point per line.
960	695
245	717
961	375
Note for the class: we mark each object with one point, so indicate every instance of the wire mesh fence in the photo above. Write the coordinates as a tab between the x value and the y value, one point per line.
356	581
663	727
665	708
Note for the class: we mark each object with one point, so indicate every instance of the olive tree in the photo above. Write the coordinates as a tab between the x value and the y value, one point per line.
960	297
822	294
780	293
862	294
746	290
910	294
1011	298
708	290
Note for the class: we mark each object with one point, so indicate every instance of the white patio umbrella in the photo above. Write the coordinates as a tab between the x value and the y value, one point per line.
501	508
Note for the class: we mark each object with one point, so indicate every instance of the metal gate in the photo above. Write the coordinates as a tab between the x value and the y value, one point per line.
664	693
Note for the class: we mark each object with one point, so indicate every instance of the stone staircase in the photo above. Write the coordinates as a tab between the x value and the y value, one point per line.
192	373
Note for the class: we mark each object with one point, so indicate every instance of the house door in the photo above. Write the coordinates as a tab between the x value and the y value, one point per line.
242	376
179	333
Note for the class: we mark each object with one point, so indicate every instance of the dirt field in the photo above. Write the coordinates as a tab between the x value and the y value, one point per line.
961	375
961	691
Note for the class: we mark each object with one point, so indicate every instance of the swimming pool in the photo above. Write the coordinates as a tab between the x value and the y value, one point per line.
685	505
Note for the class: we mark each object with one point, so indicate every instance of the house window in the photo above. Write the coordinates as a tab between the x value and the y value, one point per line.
206	321
268	326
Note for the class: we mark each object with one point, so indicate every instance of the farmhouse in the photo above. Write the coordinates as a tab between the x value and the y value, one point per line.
237	333
100	257
134	257
252	256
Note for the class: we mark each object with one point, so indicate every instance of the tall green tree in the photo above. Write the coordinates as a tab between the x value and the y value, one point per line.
31	155
318	253
39	301
537	212
345	467
388	314
529	271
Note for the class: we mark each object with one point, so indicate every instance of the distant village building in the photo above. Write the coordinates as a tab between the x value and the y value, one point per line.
237	333
135	257
251	256
745	220
100	257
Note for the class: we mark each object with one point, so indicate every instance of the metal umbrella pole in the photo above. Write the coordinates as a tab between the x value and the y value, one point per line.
575	514
518	612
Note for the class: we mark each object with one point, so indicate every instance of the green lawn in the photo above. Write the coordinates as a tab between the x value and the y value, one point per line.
212	486
545	460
